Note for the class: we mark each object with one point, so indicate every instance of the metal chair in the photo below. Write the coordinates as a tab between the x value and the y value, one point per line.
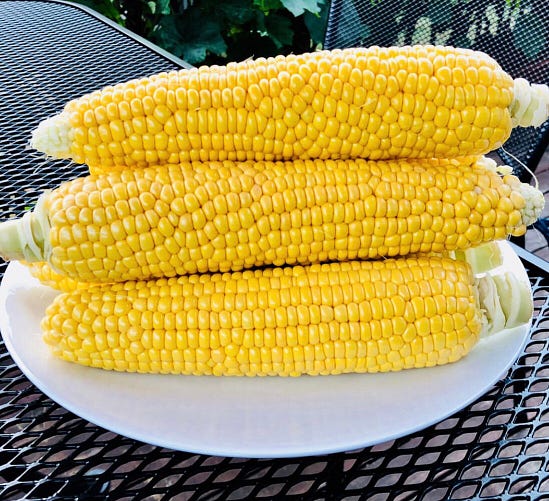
514	32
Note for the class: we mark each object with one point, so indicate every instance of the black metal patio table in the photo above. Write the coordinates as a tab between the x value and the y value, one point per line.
496	448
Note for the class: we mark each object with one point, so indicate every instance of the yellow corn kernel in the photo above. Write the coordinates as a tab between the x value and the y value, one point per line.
46	275
113	326
228	216
198	103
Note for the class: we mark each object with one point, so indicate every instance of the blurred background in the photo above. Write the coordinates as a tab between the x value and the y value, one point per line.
215	32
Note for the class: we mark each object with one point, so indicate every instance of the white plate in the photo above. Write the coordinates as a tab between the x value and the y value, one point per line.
251	417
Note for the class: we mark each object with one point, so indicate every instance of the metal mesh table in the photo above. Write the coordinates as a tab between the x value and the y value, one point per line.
495	449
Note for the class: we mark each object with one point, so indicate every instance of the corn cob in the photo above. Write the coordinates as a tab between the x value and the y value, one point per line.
358	316
481	259
209	217
46	275
375	103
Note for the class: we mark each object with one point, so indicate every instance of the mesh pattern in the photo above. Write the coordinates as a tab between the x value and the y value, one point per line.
514	33
495	449
74	54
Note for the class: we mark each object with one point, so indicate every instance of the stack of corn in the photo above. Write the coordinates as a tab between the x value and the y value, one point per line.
283	216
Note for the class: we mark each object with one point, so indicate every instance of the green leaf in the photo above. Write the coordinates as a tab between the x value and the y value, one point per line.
162	7
190	36
298	7
529	35
104	7
513	3
279	30
316	24
267	5
236	12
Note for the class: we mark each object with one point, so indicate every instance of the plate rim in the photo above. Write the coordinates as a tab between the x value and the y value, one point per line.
246	451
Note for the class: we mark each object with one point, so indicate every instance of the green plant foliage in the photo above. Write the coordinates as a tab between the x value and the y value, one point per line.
215	32
189	36
106	7
509	27
298	7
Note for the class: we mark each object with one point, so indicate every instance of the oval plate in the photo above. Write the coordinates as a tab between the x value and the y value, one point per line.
251	417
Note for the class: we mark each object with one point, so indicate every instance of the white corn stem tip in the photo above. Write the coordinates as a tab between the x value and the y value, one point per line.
530	106
26	238
533	198
53	136
535	202
481	258
505	301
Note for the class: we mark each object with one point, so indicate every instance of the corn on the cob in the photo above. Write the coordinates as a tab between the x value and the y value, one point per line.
376	103
173	220
46	275
358	316
481	258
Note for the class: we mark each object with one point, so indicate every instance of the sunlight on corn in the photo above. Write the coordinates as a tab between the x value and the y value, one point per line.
209	217
366	316
376	103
